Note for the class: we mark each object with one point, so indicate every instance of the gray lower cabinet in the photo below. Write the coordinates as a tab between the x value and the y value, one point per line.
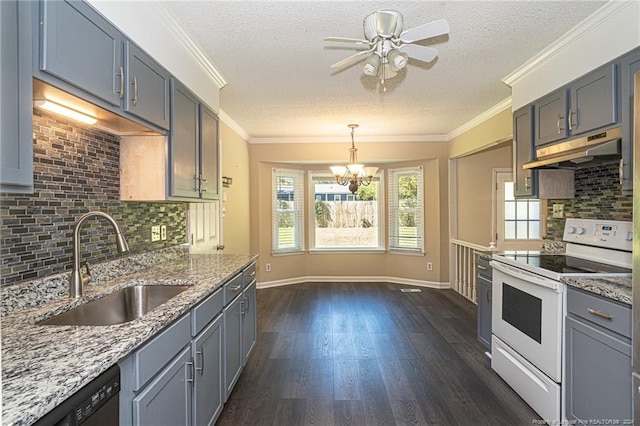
597	360
207	353
248	321
484	275
234	359
16	129
630	65
167	400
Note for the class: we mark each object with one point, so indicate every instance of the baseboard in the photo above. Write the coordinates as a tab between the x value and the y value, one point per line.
353	279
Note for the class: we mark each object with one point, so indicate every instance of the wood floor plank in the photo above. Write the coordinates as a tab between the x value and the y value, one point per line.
366	354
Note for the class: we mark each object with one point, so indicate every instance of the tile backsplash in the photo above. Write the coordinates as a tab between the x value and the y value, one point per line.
76	170
598	196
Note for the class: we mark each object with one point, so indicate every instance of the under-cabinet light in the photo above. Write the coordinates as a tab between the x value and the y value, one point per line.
66	111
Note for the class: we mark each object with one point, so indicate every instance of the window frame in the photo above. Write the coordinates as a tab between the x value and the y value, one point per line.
393	211
311	220
298	211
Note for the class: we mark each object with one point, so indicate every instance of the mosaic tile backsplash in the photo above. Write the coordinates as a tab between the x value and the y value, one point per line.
76	170
598	196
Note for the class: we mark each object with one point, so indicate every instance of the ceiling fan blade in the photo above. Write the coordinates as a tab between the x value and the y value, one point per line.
347	40
351	59
428	30
421	53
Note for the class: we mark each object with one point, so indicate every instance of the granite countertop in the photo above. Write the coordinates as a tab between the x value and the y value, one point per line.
44	365
615	288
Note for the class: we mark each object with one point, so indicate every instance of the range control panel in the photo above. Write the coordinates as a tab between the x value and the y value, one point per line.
611	234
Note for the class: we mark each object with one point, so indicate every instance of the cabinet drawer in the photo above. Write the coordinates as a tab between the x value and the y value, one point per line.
154	355
206	311
249	274
606	313
233	288
484	269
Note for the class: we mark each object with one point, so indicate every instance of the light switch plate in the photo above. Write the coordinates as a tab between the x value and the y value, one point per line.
155	233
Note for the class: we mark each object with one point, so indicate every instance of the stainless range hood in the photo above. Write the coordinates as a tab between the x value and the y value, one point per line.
580	151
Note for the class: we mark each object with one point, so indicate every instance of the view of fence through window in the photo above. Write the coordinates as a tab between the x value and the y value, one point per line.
343	220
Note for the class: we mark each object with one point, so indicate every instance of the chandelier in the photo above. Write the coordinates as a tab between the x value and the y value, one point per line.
353	174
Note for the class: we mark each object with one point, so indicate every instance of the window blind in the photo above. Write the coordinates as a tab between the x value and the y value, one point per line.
287	210
406	209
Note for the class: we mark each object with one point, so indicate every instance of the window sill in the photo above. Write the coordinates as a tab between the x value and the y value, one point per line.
347	251
407	252
286	253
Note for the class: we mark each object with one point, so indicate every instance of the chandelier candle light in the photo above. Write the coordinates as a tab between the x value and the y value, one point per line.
353	174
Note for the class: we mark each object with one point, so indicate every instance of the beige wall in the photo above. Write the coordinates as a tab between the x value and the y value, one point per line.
313	156
474	174
235	161
494	131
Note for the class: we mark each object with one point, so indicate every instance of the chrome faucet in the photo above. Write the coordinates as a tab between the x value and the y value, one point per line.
78	279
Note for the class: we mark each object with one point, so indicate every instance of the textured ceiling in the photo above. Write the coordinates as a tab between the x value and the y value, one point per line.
280	84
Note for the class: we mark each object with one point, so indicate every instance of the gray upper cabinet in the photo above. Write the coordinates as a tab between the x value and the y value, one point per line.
210	157
16	129
184	142
194	147
148	87
630	65
593	101
550	117
586	104
81	48
524	179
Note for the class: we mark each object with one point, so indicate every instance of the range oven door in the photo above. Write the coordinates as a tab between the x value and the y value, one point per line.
527	315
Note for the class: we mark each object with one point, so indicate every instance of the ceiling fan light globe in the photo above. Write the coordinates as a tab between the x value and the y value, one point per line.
397	59
371	65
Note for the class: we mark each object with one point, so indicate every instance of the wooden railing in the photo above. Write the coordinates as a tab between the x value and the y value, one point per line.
463	272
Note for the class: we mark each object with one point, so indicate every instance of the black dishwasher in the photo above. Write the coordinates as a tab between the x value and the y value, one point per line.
484	299
96	404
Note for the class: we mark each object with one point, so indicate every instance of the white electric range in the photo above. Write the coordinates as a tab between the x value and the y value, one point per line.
529	306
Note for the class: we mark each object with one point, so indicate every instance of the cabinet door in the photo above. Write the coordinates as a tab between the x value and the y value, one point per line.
598	382
232	343
184	152
16	129
80	47
550	117
207	355
630	66
525	179
593	101
484	312
167	399
248	321
148	87
210	157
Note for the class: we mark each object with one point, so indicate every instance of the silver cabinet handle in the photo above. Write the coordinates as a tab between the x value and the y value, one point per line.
527	181
484	268
236	288
193	374
599	314
621	171
121	75
135	91
242	308
558	123
201	354
570	119
253	274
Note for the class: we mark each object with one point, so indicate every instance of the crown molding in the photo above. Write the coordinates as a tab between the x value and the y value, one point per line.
224	117
344	139
481	118
190	46
606	12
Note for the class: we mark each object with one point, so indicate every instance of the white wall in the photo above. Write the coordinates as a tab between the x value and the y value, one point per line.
151	27
612	31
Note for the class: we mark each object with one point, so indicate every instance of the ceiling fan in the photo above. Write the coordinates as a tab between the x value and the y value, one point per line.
388	47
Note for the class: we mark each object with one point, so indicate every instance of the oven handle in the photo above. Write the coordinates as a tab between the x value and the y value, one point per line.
527	276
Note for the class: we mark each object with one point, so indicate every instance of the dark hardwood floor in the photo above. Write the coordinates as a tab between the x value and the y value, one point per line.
368	354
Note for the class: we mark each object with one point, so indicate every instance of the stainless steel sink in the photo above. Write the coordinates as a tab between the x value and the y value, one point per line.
124	305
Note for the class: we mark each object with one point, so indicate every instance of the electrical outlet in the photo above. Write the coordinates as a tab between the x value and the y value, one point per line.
429	266
558	211
155	233
267	267
163	232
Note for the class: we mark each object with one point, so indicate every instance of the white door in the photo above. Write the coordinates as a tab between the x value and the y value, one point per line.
204	227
